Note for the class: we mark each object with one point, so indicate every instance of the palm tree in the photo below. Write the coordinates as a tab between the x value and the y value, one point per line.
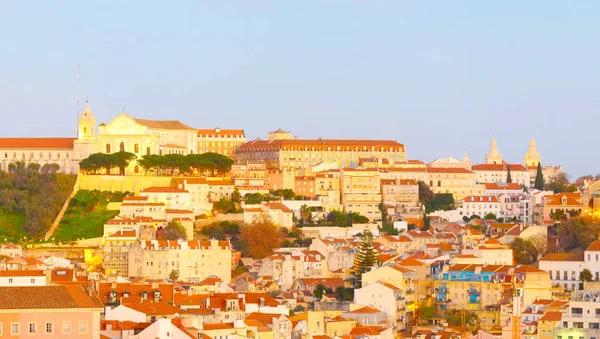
305	214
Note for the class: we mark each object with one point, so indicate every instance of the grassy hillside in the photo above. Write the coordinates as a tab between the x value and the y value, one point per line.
30	198
86	215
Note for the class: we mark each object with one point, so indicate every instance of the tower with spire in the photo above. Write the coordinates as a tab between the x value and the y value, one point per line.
493	156
532	157
86	142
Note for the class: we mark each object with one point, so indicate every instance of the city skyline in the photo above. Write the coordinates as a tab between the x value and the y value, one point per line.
440	79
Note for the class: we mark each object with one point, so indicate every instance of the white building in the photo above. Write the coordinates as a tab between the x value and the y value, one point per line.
172	197
11	278
479	205
565	268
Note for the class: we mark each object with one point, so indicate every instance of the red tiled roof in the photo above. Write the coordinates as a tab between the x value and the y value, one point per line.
366	309
321	144
165	189
21	273
595	246
499	167
480	199
37	143
217	132
162	124
503	186
46	297
551	316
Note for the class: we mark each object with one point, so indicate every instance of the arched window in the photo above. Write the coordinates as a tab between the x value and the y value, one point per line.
147	150
122	147
108	148
136	148
84	130
49	155
136	170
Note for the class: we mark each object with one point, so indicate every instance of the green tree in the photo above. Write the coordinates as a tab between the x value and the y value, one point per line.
576	234
524	251
319	291
239	269
558	215
364	258
305	214
508	176
224	206
585	275
559	183
287	194
490	216
442	201
174	275
173	231
344	294
426	195
539	177
357	218
236	196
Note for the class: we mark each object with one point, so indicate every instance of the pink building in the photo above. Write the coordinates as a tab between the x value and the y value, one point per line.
49	311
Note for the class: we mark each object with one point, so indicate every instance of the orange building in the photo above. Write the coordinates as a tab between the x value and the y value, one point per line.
567	202
49	311
222	141
304	186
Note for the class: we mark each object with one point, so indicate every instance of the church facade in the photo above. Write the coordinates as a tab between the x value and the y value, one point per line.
124	133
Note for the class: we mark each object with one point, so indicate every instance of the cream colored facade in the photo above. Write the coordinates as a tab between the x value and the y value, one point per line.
222	141
195	260
298	154
361	192
532	157
493	156
459	182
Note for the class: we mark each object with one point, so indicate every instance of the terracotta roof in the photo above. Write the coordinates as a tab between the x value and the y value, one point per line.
499	167
37	143
124	234
21	273
46	297
162	124
551	316
447	170
135	198
528	269
503	186
178	211
154	308
62	275
563	257
595	246
165	189
321	144
217	132
571	199
390	286
366	309
278	206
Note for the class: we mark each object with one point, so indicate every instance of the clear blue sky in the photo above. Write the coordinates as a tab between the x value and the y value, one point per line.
441	77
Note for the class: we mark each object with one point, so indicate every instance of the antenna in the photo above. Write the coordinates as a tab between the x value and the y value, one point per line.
77	116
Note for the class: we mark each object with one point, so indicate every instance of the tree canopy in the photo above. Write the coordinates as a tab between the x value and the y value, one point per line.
576	234
36	192
524	251
173	231
259	238
559	183
202	164
508	176
364	258
539	178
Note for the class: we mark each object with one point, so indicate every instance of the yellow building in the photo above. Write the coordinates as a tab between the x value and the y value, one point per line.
195	260
493	156
361	192
115	252
297	154
459	182
532	157
222	141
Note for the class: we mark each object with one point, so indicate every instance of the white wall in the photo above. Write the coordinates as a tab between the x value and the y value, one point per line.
124	313
33	280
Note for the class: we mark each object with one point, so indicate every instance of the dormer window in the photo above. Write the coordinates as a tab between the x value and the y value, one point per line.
113	296
126	294
156	296
144	295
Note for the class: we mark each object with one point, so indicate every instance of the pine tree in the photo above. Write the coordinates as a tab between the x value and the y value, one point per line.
364	258
508	177
539	178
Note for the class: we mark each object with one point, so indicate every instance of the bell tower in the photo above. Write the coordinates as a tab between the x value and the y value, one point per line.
86	130
493	156
532	157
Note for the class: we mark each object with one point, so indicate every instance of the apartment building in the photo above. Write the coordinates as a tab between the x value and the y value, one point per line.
565	268
194	259
479	205
402	193
172	197
250	177
221	141
498	173
115	252
297	154
49	311
361	192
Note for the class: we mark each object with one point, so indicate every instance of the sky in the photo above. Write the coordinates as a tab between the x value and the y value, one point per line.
441	77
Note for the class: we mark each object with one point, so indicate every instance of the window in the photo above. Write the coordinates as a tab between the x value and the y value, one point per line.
66	327
107	148
147	150
83	326
10	280
136	148
14	329
33	281
122	147
49	328
32	329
